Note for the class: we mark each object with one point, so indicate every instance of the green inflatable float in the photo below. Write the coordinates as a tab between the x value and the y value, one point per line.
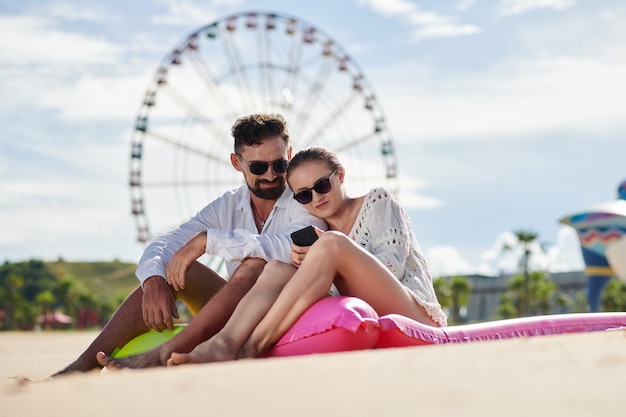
145	342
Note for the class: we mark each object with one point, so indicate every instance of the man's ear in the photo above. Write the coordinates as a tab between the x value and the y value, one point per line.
235	161
289	152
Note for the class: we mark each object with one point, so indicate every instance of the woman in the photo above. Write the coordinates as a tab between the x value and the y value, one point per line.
369	252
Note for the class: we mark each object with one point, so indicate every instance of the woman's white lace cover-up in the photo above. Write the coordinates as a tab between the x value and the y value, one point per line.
384	229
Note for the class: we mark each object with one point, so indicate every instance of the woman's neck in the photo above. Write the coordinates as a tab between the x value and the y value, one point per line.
345	216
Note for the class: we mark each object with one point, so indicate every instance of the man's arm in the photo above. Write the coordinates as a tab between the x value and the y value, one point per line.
275	244
160	251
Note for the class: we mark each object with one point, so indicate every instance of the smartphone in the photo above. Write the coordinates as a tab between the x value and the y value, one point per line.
304	237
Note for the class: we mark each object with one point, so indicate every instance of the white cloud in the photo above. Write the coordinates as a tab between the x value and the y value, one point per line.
515	7
411	200
444	30
563	256
390	8
186	13
52	69
447	261
566	255
31	41
427	24
465	5
69	11
519	97
96	98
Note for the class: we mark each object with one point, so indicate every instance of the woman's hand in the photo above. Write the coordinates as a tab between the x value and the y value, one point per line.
299	252
182	260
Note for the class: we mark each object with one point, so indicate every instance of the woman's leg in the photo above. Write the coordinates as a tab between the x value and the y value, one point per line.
355	272
226	343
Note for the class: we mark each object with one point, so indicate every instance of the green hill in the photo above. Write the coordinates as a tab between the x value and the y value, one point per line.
105	280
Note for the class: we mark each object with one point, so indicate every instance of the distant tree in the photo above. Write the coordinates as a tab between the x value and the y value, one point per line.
45	300
521	301
66	296
461	291
580	304
453	293
443	292
507	309
614	296
30	288
563	302
10	299
525	239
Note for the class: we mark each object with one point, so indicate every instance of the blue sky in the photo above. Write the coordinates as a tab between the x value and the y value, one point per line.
504	114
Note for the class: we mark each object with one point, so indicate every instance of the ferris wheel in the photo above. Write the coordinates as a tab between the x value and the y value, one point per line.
247	63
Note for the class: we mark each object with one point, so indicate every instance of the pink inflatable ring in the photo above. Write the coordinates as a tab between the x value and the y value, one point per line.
336	324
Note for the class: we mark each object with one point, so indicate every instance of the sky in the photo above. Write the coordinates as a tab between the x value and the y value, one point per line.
505	115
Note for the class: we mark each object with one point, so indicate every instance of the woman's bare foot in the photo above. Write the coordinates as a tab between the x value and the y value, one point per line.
213	350
149	359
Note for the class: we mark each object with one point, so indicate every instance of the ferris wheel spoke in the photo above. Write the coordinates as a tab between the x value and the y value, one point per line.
233	55
294	58
303	117
333	115
197	115
186	147
191	183
355	142
203	70
265	64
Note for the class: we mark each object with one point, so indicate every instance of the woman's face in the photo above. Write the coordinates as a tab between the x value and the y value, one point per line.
310	175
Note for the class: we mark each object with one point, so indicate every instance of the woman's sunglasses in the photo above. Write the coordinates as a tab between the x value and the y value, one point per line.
260	167
321	186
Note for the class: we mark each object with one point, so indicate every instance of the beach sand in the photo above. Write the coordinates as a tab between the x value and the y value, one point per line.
565	375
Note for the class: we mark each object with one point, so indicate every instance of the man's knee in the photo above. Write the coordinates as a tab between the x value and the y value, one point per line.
248	272
200	280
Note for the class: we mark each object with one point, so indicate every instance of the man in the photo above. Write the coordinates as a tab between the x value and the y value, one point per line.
247	226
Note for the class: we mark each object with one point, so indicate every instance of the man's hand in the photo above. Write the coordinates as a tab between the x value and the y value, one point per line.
182	260
158	304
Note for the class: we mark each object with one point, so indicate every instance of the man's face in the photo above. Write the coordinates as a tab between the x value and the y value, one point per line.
270	184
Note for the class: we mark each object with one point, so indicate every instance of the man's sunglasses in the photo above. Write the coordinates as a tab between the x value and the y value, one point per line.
321	186
260	167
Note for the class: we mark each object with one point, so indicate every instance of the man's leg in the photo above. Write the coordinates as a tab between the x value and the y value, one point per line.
208	321
127	321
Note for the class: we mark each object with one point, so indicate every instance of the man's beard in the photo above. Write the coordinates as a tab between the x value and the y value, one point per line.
268	193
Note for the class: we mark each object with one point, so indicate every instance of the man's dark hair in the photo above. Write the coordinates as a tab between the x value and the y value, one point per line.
255	128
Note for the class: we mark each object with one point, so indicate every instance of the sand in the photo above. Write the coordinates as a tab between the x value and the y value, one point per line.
565	375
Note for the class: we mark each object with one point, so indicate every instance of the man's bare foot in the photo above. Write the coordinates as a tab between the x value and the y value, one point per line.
76	367
80	365
149	359
213	350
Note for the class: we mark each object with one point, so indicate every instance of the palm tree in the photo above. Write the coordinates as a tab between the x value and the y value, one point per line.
526	238
443	292
538	301
461	290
